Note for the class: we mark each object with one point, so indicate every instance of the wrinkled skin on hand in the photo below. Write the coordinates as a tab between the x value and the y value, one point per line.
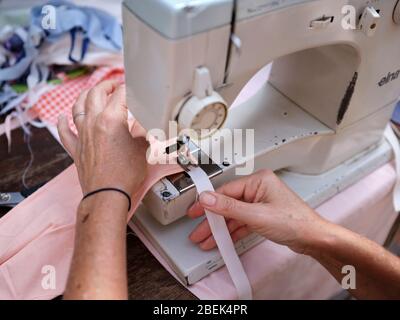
104	151
259	203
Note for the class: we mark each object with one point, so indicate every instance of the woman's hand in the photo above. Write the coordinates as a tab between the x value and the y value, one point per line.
106	156
104	152
259	203
264	204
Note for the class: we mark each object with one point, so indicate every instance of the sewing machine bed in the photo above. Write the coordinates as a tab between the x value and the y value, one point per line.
192	264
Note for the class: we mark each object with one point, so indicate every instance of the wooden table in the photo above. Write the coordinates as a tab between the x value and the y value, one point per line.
147	279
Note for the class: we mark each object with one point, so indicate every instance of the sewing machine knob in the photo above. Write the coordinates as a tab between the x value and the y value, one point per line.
208	113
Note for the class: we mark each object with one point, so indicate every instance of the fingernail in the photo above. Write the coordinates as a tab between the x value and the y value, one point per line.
208	199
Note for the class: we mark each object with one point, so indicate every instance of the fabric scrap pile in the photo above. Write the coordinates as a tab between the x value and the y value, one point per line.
63	43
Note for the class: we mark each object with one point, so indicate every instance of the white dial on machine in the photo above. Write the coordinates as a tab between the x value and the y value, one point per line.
205	111
211	117
208	114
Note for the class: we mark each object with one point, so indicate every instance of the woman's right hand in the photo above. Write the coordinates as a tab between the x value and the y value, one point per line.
260	203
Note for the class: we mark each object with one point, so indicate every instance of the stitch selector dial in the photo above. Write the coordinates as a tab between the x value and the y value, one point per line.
205	111
205	116
211	117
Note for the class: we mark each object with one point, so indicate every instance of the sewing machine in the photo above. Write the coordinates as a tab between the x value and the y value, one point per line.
332	79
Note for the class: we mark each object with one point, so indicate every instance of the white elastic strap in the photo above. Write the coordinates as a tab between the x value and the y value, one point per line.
223	239
394	143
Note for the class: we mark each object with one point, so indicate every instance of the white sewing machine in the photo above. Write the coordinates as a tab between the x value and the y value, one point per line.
318	121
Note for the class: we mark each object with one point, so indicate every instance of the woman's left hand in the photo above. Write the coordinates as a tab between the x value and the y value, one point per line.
104	151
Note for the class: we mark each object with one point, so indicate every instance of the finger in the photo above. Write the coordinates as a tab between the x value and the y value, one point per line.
249	188
263	184
68	138
98	96
234	189
137	130
78	111
203	230
229	207
208	244
232	225
240	233
195	211
237	235
117	102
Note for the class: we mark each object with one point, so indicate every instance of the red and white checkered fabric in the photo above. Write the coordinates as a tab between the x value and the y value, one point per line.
61	99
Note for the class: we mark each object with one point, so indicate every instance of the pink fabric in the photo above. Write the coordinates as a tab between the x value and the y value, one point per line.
276	272
61	99
40	232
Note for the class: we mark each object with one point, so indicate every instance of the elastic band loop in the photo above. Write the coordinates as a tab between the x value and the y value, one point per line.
110	189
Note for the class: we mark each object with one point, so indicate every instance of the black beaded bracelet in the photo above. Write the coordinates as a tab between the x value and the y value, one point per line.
110	189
